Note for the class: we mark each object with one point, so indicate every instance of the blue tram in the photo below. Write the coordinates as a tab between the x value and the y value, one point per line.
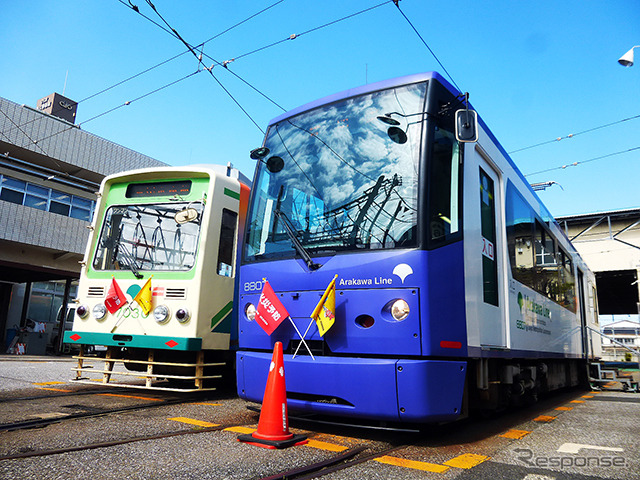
454	286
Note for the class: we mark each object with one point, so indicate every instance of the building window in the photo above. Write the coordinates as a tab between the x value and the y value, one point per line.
47	199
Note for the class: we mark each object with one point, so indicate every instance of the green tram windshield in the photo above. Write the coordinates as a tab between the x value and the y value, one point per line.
340	178
149	237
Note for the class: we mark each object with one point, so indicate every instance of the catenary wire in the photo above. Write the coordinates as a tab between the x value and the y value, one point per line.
396	2
572	135
210	70
128	102
201	45
121	82
298	35
575	164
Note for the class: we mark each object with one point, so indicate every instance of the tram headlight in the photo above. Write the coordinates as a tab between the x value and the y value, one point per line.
183	315
82	311
161	314
99	311
399	310
250	312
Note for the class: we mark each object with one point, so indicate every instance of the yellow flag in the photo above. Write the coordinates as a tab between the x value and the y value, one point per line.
144	297
325	312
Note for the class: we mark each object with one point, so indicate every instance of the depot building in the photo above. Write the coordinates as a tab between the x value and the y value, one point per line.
50	171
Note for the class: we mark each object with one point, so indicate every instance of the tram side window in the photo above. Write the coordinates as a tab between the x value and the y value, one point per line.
444	181
567	289
537	260
488	224
546	263
520	221
227	242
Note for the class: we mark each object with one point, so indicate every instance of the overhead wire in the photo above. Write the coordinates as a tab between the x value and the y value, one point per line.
201	45
226	63
572	135
199	58
298	35
128	102
397	4
121	82
35	142
575	164
104	90
132	77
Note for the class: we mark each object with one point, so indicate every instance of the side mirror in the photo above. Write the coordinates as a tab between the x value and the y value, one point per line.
185	216
467	126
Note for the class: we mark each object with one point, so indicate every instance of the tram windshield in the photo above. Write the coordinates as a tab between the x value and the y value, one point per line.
337	178
149	237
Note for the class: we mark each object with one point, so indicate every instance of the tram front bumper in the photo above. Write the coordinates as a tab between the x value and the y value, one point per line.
380	389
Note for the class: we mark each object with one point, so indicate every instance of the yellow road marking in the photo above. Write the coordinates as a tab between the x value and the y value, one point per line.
401	462
130	396
544	418
576	401
466	461
192	421
240	429
587	396
332	447
515	434
564	409
48	383
55	389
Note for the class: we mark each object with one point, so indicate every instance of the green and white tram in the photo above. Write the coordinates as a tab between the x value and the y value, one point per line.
158	276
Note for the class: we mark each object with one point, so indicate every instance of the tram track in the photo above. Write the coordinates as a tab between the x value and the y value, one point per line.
91	412
339	462
113	443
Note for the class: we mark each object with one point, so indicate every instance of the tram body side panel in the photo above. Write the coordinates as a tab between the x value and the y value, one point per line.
532	323
216	289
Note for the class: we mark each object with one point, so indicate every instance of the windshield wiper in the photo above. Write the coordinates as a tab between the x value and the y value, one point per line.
302	251
128	260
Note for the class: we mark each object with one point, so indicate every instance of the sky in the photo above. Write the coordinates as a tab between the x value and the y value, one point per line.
535	72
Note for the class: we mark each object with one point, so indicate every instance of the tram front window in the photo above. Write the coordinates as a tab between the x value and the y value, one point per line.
148	237
345	181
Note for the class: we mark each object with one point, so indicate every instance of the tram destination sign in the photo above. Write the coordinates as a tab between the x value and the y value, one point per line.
158	189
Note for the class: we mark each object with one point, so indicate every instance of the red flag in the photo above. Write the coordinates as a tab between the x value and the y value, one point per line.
270	312
115	298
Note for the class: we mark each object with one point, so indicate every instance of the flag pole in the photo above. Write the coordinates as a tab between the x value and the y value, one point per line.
301	338
305	334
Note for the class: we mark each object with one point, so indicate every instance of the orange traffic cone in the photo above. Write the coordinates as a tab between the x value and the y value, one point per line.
273	426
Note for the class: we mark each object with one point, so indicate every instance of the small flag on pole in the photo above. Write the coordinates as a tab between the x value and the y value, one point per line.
115	298
325	312
144	297
270	312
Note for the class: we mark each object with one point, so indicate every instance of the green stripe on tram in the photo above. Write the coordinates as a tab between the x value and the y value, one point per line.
218	323
232	194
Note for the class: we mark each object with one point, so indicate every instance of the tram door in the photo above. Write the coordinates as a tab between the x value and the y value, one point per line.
492	309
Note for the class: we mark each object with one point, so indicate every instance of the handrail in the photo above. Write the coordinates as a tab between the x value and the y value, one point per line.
613	340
